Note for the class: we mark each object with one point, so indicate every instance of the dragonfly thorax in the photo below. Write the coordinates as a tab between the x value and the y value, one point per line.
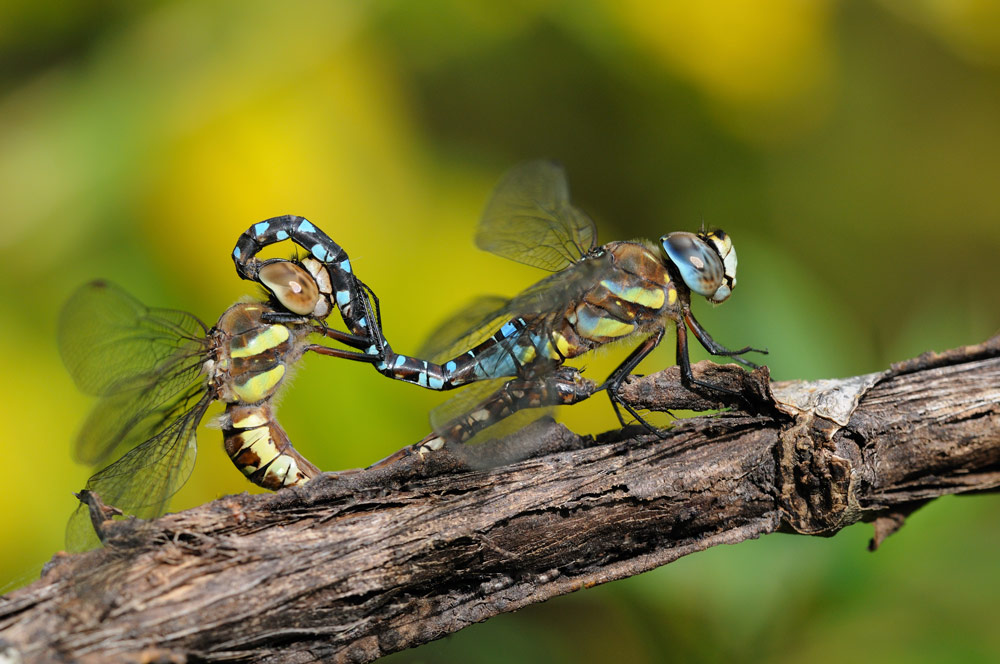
706	262
251	355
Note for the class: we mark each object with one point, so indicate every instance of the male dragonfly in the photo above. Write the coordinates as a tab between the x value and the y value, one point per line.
156	372
597	295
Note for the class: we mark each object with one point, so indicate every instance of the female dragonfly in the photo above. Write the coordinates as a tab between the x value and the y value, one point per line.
597	295
156	372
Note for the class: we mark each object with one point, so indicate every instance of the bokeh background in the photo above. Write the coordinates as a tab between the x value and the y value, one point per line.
852	149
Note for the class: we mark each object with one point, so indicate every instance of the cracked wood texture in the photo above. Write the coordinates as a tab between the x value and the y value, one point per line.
355	566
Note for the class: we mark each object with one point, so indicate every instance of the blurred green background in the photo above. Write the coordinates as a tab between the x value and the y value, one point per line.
852	150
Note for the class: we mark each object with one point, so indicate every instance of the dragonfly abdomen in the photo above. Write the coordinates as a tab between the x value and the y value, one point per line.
252	360
629	299
260	448
516	344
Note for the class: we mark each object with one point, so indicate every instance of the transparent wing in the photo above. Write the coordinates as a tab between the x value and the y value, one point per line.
466	328
139	360
529	219
557	291
481	318
142	481
109	340
126	419
480	450
463	402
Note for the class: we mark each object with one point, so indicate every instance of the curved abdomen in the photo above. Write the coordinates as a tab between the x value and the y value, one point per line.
260	448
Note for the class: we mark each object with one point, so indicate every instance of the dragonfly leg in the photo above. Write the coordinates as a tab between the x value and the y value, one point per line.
714	347
617	377
343	354
352	340
366	343
563	387
375	301
684	362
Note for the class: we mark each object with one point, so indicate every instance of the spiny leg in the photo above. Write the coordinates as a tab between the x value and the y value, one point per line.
375	300
343	354
320	327
371	343
714	347
374	343
617	377
684	362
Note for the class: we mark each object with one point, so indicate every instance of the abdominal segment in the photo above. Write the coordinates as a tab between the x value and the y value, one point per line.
260	448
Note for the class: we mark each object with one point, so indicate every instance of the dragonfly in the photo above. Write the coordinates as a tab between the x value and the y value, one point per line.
595	296
156	372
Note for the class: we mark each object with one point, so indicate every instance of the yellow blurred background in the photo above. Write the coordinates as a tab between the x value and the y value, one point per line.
851	149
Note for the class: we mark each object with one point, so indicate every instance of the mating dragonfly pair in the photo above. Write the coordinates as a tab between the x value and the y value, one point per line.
157	370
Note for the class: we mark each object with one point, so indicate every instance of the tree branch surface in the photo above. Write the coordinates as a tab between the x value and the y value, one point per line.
358	565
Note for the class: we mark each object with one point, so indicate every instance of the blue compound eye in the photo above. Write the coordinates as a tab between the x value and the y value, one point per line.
700	265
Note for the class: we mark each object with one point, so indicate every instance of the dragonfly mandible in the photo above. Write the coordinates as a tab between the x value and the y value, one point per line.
156	371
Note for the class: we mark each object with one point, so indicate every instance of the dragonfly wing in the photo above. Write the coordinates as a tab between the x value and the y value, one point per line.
465	328
136	358
482	318
555	292
464	401
109	340
127	418
481	451
529	219
142	481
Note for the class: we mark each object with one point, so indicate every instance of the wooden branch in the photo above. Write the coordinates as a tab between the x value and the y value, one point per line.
353	567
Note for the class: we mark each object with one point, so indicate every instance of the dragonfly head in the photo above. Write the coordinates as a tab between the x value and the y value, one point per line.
292	285
706	262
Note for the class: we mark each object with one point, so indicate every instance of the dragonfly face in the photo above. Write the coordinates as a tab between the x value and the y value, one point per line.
706	262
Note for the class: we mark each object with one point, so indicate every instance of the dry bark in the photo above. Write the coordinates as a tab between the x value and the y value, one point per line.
352	567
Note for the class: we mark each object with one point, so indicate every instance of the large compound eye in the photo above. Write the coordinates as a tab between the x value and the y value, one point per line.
294	287
699	264
724	245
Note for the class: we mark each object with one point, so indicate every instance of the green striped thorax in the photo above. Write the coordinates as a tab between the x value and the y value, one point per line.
705	261
252	355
